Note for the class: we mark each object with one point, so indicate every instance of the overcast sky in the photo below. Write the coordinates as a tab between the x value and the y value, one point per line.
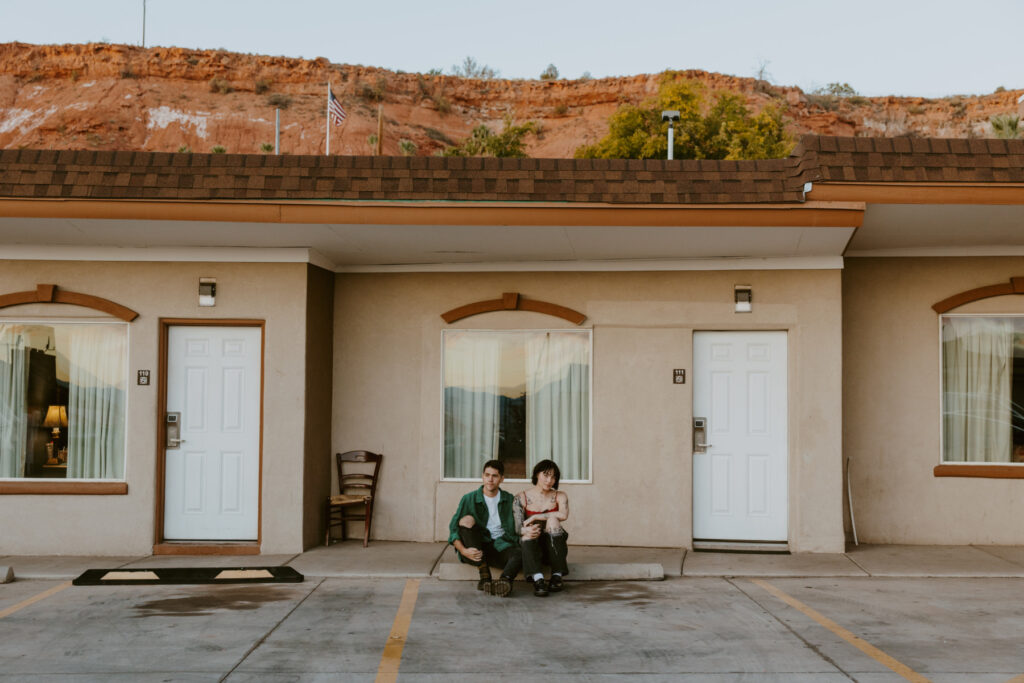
891	47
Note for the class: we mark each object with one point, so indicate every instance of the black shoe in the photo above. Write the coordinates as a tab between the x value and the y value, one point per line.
484	585
540	588
502	587
555	584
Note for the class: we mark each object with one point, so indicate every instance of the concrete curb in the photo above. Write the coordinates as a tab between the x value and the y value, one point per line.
6	574
584	571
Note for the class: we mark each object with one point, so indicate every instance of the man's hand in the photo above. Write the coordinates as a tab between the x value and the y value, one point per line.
474	554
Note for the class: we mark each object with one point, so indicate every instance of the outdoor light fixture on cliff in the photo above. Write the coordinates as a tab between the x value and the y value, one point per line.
670	115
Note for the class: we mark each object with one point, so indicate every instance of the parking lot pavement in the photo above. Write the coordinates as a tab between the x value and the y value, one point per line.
689	629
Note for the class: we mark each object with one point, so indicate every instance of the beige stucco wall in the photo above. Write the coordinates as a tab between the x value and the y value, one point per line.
387	394
892	403
124	524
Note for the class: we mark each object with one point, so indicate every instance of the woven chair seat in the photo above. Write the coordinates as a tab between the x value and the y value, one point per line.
348	499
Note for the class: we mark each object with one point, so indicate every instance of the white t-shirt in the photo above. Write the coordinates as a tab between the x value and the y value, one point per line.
493	520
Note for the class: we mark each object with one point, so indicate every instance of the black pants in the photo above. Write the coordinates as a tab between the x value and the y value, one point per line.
549	549
510	558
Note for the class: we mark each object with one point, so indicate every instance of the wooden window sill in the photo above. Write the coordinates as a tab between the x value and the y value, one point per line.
981	471
64	488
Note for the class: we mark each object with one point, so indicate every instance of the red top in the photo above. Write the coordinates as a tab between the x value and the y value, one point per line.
531	513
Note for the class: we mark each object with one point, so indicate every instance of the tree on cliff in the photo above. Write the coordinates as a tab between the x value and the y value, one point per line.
483	142
724	130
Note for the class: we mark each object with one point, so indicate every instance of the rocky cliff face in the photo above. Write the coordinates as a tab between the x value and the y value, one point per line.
102	96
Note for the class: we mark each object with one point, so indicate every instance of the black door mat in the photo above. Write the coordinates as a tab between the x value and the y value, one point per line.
179	575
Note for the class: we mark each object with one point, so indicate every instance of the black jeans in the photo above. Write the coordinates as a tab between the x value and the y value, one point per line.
510	558
549	549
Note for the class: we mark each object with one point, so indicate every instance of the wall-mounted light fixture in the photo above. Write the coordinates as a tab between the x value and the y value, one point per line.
743	295
207	291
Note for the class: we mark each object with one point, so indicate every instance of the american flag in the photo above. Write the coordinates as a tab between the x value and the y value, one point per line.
334	108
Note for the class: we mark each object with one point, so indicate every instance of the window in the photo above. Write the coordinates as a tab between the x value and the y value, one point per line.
518	397
982	389
62	400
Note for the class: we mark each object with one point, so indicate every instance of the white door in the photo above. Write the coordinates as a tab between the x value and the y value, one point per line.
740	482
211	483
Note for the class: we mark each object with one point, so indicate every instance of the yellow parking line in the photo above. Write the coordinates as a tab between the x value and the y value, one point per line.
34	599
387	672
1016	679
859	643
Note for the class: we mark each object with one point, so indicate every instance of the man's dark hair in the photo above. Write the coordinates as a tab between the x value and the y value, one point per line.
496	465
547	466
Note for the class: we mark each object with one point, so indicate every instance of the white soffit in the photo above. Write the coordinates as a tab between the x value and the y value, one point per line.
939	230
349	247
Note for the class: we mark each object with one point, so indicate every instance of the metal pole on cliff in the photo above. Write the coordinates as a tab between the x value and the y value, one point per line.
380	131
143	23
277	131
327	122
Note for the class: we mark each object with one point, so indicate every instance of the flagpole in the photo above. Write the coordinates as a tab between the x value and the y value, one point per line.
328	120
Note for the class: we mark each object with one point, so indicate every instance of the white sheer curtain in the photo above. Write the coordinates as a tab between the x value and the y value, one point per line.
96	402
558	402
13	415
471	369
977	369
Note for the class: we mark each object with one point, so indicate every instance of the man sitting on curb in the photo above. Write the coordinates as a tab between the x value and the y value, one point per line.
484	533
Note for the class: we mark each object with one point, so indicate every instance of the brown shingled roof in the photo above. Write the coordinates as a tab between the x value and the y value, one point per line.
819	159
914	160
158	175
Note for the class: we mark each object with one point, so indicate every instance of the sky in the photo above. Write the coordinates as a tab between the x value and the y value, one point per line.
892	47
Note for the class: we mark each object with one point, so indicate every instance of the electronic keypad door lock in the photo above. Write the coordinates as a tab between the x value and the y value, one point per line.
173	431
700	435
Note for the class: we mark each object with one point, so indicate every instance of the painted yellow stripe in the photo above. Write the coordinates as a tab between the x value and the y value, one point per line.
859	643
387	672
1016	679
34	599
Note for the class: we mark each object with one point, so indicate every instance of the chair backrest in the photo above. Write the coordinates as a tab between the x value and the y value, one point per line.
364	481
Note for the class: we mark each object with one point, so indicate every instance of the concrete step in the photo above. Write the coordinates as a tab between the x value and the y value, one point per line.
588	563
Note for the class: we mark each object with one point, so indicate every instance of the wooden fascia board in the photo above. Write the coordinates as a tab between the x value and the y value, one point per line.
808	214
919	193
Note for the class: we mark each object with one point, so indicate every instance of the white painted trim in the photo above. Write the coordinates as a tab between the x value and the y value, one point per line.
32	252
989	250
739	263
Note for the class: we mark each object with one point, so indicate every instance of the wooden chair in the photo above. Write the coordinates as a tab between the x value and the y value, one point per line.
356	490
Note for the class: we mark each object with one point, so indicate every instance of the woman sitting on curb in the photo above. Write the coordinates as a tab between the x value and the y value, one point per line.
539	513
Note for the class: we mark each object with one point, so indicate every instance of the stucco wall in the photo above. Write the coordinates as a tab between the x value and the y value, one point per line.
124	524
892	404
387	394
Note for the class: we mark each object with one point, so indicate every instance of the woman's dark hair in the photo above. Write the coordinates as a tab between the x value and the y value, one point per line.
547	466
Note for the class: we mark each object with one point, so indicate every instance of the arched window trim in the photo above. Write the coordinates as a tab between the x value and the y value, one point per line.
512	301
51	294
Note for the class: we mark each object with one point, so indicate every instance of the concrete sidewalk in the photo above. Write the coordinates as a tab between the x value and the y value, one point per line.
397	559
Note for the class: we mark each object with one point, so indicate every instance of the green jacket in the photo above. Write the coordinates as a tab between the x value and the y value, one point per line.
473	504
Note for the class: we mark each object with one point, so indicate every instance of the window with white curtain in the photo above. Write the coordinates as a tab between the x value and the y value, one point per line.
62	400
519	397
982	389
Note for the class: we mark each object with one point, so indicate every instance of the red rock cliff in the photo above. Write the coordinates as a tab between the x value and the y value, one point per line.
102	96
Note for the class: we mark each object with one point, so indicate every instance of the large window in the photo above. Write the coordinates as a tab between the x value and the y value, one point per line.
518	397
62	400
982	389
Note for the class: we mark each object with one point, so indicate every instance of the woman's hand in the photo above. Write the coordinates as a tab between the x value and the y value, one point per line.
531	530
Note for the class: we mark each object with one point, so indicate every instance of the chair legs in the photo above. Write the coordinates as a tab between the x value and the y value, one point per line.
336	517
369	518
